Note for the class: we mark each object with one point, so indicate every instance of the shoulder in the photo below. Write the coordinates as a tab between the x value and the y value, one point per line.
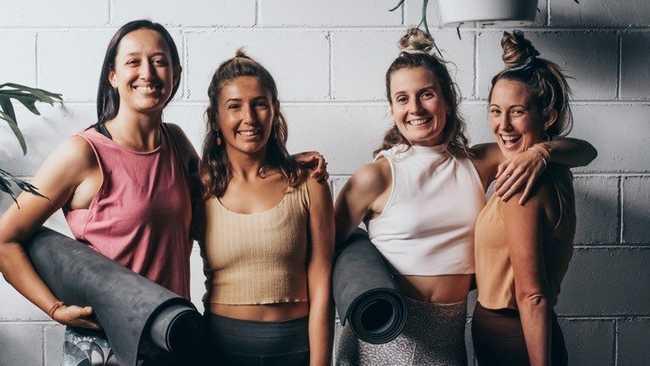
372	178
536	202
318	192
486	153
75	151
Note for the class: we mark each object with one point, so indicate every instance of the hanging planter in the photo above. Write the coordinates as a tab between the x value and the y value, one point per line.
514	12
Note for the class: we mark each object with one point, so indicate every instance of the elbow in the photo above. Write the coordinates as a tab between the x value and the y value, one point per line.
531	300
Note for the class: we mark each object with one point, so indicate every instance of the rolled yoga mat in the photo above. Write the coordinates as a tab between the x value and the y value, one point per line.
366	293
132	310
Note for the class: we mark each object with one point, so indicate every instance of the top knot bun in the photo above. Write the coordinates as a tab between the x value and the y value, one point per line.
517	50
240	53
416	41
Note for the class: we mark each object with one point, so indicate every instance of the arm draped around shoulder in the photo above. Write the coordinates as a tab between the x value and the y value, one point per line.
321	228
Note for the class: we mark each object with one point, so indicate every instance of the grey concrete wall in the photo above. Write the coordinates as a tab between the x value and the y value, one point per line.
329	58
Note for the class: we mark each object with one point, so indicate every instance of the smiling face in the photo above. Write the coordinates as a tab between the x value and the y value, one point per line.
514	120
245	115
143	72
417	106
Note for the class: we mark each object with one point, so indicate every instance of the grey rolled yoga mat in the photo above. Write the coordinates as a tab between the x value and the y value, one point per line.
132	310
366	293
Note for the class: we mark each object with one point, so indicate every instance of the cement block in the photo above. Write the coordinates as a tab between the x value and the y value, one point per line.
63	13
20	67
333	13
633	342
636	210
635	71
53	346
21	344
298	60
606	282
596	210
618	132
589	342
361	58
593	77
337	184
346	135
197	278
188	13
42	134
15	307
600	13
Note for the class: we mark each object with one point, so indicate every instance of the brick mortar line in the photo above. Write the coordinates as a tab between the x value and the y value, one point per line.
391	27
615	363
110	11
619	65
476	86
621	202
36	58
30	322
548	13
640	246
256	20
330	69
604	318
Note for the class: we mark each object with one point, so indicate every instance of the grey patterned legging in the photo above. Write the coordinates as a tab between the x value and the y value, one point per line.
434	335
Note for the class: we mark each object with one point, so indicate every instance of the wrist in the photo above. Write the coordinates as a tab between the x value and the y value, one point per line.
53	308
543	151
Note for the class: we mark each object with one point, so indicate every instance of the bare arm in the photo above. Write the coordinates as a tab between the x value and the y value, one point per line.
522	171
321	226
362	194
58	182
523	225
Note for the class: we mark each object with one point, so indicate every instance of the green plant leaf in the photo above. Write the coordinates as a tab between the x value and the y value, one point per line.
14	127
36	91
5	186
397	6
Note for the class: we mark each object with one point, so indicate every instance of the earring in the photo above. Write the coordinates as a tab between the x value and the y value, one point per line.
218	138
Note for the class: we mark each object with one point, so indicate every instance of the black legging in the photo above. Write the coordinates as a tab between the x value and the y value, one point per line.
499	339
243	343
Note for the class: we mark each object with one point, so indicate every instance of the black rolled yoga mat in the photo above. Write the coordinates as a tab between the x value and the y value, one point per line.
366	293
132	310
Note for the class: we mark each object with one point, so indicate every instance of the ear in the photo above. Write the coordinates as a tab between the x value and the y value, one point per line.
111	78
551	118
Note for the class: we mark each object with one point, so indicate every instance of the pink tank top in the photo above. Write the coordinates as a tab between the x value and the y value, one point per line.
142	213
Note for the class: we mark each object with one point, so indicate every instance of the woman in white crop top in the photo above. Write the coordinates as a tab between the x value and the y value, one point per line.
419	199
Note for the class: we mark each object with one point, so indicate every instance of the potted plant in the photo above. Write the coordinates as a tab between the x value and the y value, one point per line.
514	12
28	97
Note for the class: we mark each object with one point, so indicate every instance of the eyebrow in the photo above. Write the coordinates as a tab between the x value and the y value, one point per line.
160	53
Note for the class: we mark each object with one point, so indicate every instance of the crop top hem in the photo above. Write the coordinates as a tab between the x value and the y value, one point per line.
262	302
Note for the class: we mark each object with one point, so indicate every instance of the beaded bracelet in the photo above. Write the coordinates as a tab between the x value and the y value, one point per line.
54	308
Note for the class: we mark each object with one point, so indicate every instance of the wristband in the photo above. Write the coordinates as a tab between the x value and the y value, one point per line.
54	308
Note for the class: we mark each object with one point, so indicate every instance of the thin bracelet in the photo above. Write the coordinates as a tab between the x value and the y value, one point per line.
542	152
54	308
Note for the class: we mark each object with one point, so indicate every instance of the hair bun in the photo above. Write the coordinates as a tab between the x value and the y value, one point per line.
416	41
517	50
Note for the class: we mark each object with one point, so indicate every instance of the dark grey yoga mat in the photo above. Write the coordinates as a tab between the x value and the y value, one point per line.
130	308
366	293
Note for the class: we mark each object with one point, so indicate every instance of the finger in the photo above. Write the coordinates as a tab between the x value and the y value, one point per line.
526	193
86	323
500	169
504	182
514	188
503	177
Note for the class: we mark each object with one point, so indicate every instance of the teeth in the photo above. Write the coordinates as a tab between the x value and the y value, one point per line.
509	138
249	132
418	122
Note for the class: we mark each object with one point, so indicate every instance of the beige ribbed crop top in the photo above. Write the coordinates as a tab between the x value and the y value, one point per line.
258	258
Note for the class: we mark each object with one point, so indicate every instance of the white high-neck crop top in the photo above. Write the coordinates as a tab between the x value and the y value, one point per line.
427	225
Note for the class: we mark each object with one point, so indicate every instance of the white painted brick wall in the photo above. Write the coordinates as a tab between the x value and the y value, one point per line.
329	60
600	13
46	13
189	12
298	59
18	45
333	13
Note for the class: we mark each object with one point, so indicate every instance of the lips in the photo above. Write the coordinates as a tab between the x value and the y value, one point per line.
148	88
252	132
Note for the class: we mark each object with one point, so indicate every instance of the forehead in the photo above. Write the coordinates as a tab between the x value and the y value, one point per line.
142	41
248	86
508	91
412	78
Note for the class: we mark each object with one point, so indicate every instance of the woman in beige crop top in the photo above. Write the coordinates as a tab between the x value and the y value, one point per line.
424	103
269	230
523	251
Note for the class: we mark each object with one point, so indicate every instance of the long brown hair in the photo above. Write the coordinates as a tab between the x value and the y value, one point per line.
545	80
215	167
416	48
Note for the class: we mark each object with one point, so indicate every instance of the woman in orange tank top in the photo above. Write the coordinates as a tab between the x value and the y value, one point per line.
523	251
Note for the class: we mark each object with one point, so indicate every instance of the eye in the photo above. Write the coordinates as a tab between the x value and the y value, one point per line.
233	106
495	111
517	112
160	61
401	99
132	61
261	104
428	94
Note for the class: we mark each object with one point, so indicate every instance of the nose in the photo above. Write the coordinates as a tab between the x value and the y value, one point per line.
415	106
248	114
146	71
505	122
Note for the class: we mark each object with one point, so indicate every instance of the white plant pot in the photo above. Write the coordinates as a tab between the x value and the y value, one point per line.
515	12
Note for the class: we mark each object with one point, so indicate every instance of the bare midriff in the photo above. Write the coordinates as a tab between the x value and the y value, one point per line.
265	312
445	289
